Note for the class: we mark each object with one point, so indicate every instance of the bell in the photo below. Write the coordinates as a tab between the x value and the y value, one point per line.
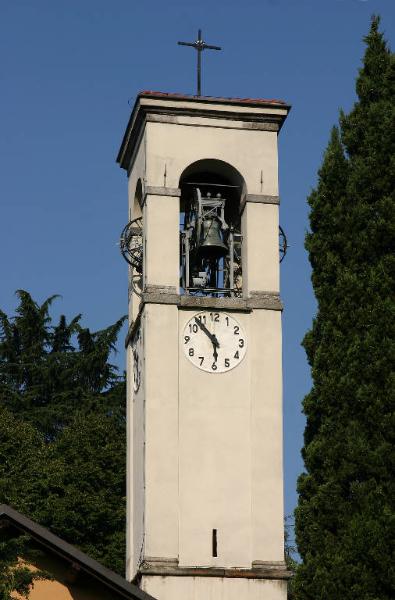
211	243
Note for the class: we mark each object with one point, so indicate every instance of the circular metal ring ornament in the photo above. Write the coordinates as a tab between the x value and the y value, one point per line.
131	244
283	243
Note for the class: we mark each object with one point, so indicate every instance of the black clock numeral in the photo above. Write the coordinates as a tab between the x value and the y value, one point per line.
236	355
236	330
201	358
214	366
241	343
215	317
193	328
202	318
227	362
186	339
191	351
227	321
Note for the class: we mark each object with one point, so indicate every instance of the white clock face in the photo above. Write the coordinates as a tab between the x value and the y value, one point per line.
214	341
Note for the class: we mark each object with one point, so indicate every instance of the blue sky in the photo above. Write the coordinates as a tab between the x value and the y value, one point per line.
68	70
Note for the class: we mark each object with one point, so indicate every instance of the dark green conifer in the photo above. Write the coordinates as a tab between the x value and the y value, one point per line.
345	522
23	482
50	372
62	432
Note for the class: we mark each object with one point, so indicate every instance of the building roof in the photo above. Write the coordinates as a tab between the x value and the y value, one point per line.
110	580
246	101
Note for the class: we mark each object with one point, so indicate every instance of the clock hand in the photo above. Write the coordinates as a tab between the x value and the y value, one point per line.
215	353
211	336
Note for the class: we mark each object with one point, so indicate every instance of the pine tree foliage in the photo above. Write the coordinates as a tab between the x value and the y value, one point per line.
48	372
345	522
63	429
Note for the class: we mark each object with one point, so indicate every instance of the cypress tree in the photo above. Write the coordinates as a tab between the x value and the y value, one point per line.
345	523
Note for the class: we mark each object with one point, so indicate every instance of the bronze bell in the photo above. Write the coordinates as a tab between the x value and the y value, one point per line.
211	242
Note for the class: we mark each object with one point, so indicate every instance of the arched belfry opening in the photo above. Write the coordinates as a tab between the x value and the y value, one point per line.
132	243
210	229
138	201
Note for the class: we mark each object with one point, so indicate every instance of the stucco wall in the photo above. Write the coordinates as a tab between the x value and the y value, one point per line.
213	588
171	147
202	439
62	587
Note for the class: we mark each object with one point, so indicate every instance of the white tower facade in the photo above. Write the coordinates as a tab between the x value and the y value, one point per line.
205	475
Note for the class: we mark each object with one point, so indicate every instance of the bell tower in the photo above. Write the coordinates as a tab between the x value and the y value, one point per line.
204	375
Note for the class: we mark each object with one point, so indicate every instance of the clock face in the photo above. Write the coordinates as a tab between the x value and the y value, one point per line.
214	341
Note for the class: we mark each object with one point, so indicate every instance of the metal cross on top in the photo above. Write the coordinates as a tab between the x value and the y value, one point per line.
200	45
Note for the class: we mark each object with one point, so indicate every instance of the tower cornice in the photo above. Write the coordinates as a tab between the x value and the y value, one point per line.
245	113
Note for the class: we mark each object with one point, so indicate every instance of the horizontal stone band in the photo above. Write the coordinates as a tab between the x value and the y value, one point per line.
259	199
162	191
265	300
170	568
263	199
165	295
218	119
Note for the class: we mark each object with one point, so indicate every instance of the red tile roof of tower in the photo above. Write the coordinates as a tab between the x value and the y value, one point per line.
176	96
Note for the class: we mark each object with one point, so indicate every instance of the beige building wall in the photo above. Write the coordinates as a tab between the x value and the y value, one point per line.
172	147
64	585
56	590
215	461
135	483
161	431
214	588
202	439
260	248
267	511
161	225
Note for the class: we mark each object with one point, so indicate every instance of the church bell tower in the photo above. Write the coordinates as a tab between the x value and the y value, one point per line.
204	375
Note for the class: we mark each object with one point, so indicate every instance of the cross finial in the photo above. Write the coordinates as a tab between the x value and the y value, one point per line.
199	45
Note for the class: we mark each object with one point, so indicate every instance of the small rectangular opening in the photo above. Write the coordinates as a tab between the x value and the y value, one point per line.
214	543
